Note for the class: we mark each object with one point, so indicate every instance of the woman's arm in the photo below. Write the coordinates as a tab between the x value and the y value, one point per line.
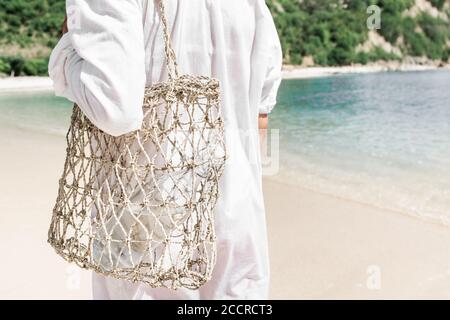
267	49
99	63
268	43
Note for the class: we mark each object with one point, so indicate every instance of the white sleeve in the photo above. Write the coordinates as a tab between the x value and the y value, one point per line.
100	63
273	58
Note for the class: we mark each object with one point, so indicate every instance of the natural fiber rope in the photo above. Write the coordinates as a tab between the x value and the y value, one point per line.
140	207
172	65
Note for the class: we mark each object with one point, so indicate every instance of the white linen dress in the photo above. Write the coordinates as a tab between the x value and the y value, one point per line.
114	48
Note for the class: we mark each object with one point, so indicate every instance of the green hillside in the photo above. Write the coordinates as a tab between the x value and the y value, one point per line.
28	31
330	31
319	32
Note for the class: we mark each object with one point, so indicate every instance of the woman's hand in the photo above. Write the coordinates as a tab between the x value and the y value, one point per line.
263	121
64	28
263	124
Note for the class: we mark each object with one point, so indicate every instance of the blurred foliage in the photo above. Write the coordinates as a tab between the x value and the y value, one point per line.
18	66
27	23
438	3
327	30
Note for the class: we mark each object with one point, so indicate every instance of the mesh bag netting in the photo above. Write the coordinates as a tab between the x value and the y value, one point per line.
140	207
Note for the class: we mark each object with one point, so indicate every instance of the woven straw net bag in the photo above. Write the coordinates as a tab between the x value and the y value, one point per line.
140	207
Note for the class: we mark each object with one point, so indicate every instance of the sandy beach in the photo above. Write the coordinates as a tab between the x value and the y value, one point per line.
16	84
321	247
296	72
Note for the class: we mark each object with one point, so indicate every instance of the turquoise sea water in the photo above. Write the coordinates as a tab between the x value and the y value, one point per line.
35	111
381	139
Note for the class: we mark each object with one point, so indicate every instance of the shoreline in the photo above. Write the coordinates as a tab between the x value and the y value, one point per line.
33	84
297	72
439	221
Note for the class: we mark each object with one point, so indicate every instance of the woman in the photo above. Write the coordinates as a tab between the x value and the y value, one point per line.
113	49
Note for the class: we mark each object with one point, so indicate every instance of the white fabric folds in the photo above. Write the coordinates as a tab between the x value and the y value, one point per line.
115	48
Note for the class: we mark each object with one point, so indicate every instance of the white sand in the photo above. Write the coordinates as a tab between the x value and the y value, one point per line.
327	248
294	72
321	247
11	84
30	167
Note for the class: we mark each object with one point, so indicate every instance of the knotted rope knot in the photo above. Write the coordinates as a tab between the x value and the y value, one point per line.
171	97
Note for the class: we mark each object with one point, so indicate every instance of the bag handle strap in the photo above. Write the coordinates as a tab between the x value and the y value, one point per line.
171	58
